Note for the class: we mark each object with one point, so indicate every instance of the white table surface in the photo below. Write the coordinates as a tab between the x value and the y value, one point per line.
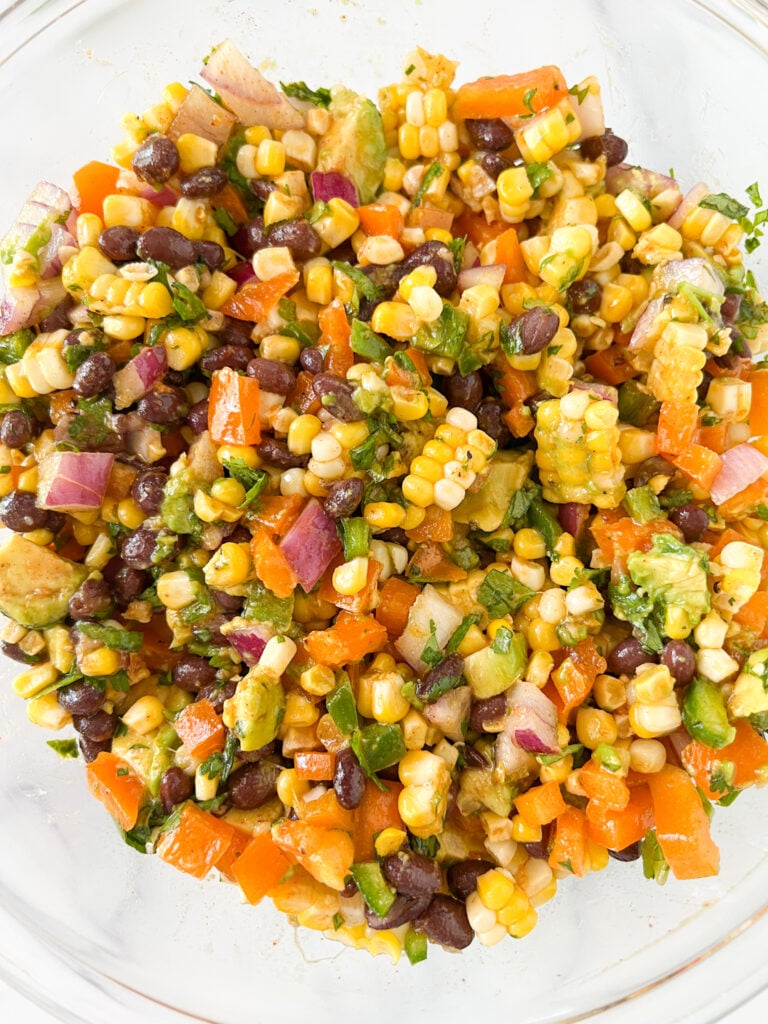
14	1009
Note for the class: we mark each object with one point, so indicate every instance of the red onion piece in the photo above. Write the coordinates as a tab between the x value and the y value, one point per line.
242	272
644	325
246	92
139	375
491	273
696	271
146	444
249	640
574	517
689	202
605	391
742	466
449	712
531	719
200	115
328	185
55	198
160	197
510	757
641	179
74	481
590	114
48	258
311	544
16	308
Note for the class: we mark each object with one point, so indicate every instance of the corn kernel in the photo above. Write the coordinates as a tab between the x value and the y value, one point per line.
229	567
196	152
146	715
318	680
350	577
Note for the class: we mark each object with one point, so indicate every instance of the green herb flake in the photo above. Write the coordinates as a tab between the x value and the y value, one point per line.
64	748
502	594
113	637
725	204
581	94
431	654
301	91
364	286
432	172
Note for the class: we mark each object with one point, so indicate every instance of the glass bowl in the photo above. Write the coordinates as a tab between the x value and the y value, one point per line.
88	928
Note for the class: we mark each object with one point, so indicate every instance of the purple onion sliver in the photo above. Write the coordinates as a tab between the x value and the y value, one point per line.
327	185
311	544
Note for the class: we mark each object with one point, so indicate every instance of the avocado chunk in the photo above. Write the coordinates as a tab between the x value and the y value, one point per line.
354	145
485	510
255	712
673	575
704	714
750	691
494	669
35	583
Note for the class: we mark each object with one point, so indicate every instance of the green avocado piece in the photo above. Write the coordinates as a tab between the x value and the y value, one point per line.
177	509
479	789
354	145
704	714
255	712
672	573
492	670
35	583
485	510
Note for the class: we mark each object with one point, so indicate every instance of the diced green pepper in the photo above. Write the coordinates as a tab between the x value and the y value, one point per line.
366	343
642	504
356	536
704	714
378	746
374	889
542	518
342	708
637	406
415	946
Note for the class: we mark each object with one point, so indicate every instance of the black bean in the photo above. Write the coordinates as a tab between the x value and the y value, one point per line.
94	375
540	849
311	360
197	417
227	602
166	246
404	909
234	332
156	160
445	921
138	548
433	254
250	238
535	329
450	668
58	320
272	375
585	296
163	405
174	378
680	660
489	132
92	600
343	497
411	874
348	779
730	308
703	388
91	749
175	787
253	784
277	454
655	466
297	235
490	418
261	188
475	758
335	395
349	890
19	512
17	429
15	652
493	163
119	243
191	672
203	183
98	727
211	253
80	698
466	392
128	584
691	521
489	711
395	535
627	656
216	693
631	852
147	490
613	148
462	877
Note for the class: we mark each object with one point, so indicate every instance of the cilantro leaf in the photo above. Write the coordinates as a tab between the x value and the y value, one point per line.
301	91
502	594
537	175
725	204
431	654
432	172
111	636
363	284
64	748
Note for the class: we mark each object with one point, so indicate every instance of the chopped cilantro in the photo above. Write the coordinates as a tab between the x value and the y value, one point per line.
64	748
502	594
301	91
432	172
363	284
725	204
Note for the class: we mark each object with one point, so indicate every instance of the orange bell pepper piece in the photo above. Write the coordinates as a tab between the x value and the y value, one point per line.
517	95
271	565
395	600
316	765
196	843
381	219
682	826
514	387
260	867
616	830
610	366
327	812
754	614
541	804
603	788
335	334
112	781
233	408
569	845
225	864
437	525
228	199
508	251
617	539
303	396
349	639
758	414
575	676
93	183
326	853
748	754
256	299
200	729
376	811
363	600
277	514
700	464
678	423
477	229
429	563
715	437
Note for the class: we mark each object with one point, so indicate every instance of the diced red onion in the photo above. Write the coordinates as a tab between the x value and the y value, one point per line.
311	544
590	114
696	271
246	92
605	391
74	481
689	202
146	444
450	711
242	272
429	606
53	197
200	115
742	466
327	185
16	308
48	258
510	758
644	325
531	719
641	179
249	640
491	273
160	197
139	375
574	517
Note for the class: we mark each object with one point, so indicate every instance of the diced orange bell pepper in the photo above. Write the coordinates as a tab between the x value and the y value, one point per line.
477	228
754	614
93	183
225	864
200	729
381	219
700	464
437	525
303	396
682	826
256	299
604	788
714	437
271	565
227	199
610	365
276	513
376	811
617	539
576	674
430	564
327	812
112	781
517	95
509	253
395	600
315	765
349	639
616	830
541	804
260	867
758	415
326	853
676	431
335	336
233	408
748	754
569	845
197	843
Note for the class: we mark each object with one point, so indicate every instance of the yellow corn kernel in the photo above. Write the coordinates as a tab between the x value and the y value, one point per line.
238	451
318	680
388	705
529	544
418	491
427	468
389	840
651	720
128	211
46	712
301	433
280	348
384	515
176	590
196	152
174	95
542	636
100	662
299	710
338	224
557	772
424	276
633	210
539	668
435	107
81	270
647	756
548	133
394	171
350	435
314	486
594	727
408	141
615	303
414	516
606	206
146	715
272	261
228	490
395	319
89	226
123	328
652	684
350	577
229	567
318	280
256	134
30	682
61	650
270	158
619	231
155	301
183	346
218	290
129	514
523	832
408	403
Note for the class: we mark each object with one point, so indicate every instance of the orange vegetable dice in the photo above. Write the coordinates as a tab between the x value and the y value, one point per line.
326	853
271	565
618	829
260	867
517	95
541	804
349	639
112	781
682	826
200	729
197	843
256	299
233	408
569	847
93	183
